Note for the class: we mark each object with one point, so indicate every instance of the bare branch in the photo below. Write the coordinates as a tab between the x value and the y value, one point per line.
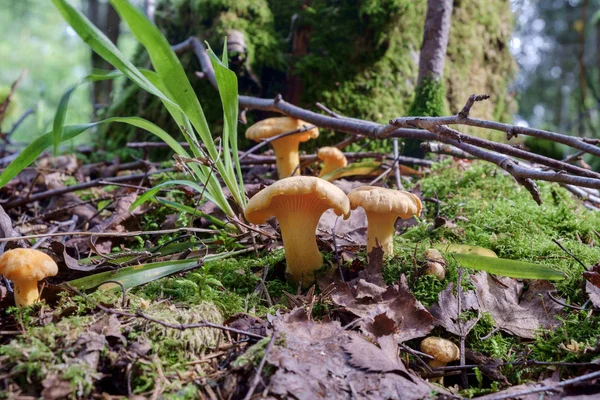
436	129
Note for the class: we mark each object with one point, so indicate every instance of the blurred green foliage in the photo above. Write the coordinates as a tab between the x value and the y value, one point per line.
35	38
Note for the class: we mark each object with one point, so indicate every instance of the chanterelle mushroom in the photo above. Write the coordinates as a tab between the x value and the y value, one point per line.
25	267
383	206
332	158
297	203
442	350
286	148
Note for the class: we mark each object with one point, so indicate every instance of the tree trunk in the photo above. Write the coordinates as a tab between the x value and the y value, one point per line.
104	16
435	40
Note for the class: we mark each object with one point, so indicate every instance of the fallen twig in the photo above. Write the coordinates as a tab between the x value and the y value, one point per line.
140	314
257	377
85	185
435	128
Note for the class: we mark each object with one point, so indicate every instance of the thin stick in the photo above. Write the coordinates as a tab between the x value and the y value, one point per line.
397	165
257	377
569	253
546	388
110	234
140	314
85	185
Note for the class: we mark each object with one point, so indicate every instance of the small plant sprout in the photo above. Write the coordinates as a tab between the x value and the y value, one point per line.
286	148
442	350
297	203
25	267
383	206
435	264
332	158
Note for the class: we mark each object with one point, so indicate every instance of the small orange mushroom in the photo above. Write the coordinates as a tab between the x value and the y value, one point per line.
25	267
332	158
383	206
442	350
298	202
286	148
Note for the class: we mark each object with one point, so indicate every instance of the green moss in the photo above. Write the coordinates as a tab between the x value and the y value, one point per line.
230	284
492	211
429	99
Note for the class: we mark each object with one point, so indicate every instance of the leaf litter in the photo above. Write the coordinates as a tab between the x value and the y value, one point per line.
358	349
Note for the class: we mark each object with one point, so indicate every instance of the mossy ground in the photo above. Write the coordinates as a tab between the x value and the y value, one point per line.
489	209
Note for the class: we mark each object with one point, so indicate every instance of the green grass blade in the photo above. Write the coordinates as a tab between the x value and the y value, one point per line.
140	274
228	90
59	118
511	268
37	147
167	66
151	192
203	173
195	212
61	111
104	47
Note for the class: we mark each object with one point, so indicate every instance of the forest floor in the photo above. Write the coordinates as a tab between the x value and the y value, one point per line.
227	325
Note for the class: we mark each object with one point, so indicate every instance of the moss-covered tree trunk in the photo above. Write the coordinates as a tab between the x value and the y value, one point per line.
359	58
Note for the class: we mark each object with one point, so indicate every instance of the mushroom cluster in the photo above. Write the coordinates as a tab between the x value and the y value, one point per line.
286	148
298	202
25	267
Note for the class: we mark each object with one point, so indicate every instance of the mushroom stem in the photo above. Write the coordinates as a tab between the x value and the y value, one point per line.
380	232
298	234
286	156
26	292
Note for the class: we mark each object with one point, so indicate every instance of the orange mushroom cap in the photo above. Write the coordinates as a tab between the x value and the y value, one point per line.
298	202
286	148
25	267
383	206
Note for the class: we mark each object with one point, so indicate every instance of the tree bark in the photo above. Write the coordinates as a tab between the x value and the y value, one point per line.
435	39
104	16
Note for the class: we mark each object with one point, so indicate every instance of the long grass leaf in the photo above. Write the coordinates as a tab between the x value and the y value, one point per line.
511	268
104	47
228	90
167	66
151	192
61	111
140	274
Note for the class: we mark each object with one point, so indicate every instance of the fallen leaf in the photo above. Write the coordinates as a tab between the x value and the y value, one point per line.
517	312
446	313
592	284
61	251
319	361
247	323
7	231
366	355
396	302
374	271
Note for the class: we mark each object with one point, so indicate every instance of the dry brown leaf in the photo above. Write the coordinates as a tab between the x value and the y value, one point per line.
366	355
61	251
6	229
318	361
396	302
592	284
517	312
446	314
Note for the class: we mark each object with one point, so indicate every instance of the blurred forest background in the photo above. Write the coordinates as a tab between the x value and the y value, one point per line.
555	45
